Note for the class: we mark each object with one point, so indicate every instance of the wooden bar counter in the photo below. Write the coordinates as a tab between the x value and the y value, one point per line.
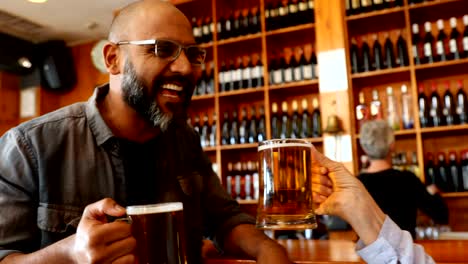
343	251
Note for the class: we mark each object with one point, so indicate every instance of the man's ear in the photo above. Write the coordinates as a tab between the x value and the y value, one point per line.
112	58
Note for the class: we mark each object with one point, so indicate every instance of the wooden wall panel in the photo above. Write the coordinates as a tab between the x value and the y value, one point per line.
9	101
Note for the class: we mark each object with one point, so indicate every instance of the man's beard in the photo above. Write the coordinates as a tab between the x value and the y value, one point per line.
135	94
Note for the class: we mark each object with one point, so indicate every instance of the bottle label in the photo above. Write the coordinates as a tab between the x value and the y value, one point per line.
366	3
221	77
415	51
465	43
282	11
228	25
297	74
196	32
459	110
227	76
433	112
302	6
211	27
378	2
274	13
246	75
465	176
427	49
292	8
277	77
453	46
307	71
256	72
218	27
355	4
206	30
440	47
374	110
237	76
267	13
311	4
288	75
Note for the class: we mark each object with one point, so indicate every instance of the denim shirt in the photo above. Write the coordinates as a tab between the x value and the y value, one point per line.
53	166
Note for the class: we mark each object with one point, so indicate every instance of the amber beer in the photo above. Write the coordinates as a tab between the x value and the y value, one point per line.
159	232
285	200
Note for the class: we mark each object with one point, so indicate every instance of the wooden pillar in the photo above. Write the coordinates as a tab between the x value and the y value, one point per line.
334	80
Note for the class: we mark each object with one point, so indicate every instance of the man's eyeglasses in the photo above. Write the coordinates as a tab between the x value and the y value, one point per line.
170	50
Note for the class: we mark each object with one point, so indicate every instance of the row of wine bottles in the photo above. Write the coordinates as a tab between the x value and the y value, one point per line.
293	66
354	7
398	112
450	110
299	124
444	47
450	175
281	14
239	23
364	59
249	129
245	72
206	130
242	181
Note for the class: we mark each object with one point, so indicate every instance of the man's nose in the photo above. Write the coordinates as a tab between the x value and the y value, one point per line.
181	65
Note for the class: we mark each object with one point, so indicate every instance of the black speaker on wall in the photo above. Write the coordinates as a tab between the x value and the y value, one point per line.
16	55
56	65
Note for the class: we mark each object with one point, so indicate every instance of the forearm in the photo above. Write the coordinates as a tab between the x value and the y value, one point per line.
247	239
57	252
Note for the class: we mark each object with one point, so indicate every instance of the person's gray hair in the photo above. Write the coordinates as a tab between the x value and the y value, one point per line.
375	139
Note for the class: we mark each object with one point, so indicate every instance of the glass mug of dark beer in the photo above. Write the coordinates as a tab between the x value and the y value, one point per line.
159	232
285	195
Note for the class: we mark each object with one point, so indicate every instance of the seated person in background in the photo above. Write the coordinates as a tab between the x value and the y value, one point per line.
399	193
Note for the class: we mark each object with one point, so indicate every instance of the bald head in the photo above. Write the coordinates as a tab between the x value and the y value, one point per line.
143	17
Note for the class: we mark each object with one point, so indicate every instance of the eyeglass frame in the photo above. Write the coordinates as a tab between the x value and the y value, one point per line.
155	43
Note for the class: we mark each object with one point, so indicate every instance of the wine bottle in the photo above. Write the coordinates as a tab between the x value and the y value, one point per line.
311	11
355	7
304	15
406	108
449	112
442	42
285	121
424	117
196	124
390	3
236	24
205	132
252	132
429	54
196	29
392	112
201	83
222	77
229	180
247	73
243	127
443	179
207	30
210	78
293	14
297	69
455	172
417	45
254	21
229	77
378	63
316	119
274	17
273	67
389	53
348	10
462	104
362	111
354	55
237	74
225	130
244	23
464	168
436	108
402	58
430	169
229	26
213	132
306	121
366	6
287	67
455	40
257	72
376	106
220	28
378	4
234	132
261	126
465	36
275	121
283	14
366	56
295	121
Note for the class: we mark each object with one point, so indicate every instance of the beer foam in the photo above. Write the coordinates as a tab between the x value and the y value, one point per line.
283	145
154	208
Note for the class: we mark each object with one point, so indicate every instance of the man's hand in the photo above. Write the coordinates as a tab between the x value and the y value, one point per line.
97	241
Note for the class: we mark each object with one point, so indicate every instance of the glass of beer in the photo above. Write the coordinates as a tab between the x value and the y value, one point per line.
285	198
159	232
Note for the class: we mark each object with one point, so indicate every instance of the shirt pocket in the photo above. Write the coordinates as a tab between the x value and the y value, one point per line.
58	218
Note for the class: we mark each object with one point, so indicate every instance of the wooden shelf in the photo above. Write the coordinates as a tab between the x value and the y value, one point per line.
209	149
315	140
454	194
239	146
293	84
399	133
378	13
440	64
203	97
239	39
431	4
290	29
247	201
242	91
429	130
398	70
206	45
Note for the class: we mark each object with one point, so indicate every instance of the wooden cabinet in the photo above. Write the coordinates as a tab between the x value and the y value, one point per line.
393	22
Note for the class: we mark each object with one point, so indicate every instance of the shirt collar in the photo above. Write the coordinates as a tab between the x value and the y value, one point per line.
99	128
